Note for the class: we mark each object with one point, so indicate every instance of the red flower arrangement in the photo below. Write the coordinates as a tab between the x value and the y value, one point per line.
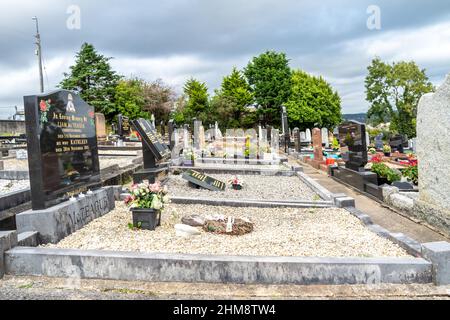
376	159
92	114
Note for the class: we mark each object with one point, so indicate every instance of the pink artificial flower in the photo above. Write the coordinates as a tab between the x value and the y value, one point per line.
155	188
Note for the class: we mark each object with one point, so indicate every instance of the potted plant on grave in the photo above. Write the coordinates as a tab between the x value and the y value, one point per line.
387	150
236	183
146	203
385	174
411	173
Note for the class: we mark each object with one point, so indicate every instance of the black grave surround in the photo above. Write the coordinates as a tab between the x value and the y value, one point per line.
155	152
366	181
62	147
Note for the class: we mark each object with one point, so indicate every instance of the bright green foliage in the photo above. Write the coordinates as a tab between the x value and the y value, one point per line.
229	105
197	105
393	91
313	103
93	78
269	76
412	174
383	171
130	99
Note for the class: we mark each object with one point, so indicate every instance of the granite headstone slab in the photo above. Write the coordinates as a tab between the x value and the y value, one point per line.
204	181
62	147
352	136
124	128
151	139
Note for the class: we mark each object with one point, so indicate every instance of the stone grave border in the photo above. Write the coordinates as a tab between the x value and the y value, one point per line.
328	199
161	267
429	261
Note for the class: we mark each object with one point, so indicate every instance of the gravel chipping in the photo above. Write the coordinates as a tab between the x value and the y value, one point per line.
257	187
7	186
329	232
105	162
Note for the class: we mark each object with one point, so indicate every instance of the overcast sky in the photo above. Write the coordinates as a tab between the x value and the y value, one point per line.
174	40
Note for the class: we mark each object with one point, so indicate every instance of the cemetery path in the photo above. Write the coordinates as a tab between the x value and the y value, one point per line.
27	288
379	213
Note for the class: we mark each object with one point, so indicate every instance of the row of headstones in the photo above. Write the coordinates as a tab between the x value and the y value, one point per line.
304	138
266	139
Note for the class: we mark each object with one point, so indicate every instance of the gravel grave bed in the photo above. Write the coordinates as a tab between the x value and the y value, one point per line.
325	232
22	165
7	186
255	187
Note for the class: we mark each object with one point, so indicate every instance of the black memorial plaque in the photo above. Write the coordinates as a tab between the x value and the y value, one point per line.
204	181
352	135
62	147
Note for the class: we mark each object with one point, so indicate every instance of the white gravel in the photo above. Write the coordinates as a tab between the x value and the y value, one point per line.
255	187
329	232
7	186
22	165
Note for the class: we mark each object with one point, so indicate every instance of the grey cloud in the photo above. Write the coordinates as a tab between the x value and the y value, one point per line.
223	33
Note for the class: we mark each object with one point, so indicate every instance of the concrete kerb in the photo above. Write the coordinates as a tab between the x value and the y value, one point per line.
439	254
250	202
14	175
411	246
162	267
13	199
323	192
8	240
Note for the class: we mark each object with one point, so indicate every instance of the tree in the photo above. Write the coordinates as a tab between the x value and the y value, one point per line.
229	105
159	99
129	99
269	77
313	102
93	79
197	105
393	91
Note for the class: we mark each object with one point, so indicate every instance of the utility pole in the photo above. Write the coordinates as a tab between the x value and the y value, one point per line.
39	54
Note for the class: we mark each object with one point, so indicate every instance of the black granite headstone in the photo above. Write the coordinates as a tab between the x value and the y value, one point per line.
204	181
172	128
151	139
397	142
154	150
124	128
352	135
62	147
